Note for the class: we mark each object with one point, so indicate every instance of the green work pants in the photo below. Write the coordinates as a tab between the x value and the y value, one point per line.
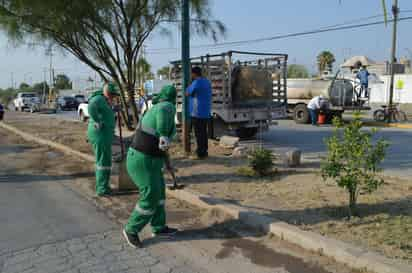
102	148
146	173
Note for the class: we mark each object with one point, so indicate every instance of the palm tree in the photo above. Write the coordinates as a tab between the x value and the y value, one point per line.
325	61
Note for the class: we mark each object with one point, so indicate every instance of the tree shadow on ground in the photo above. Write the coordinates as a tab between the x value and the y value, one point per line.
313	216
230	177
29	178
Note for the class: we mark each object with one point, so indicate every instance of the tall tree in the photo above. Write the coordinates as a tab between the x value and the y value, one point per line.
164	72
24	87
62	81
297	71
106	35
325	61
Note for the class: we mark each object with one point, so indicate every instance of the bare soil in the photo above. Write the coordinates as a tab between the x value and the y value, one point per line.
298	196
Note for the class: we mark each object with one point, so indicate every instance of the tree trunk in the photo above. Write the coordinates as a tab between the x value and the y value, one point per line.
132	104
353	211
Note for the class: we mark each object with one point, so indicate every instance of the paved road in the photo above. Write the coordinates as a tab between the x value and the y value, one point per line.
311	141
47	226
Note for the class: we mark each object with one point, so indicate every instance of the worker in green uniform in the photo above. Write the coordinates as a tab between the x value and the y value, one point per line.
100	133
145	161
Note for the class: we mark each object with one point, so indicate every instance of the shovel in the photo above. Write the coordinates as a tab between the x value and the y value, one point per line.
171	171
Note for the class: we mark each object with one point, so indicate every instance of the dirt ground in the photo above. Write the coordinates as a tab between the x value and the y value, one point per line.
72	134
298	196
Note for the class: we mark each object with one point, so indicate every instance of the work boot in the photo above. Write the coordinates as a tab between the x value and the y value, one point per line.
132	239
165	232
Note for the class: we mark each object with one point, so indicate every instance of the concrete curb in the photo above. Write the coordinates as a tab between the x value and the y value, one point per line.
345	253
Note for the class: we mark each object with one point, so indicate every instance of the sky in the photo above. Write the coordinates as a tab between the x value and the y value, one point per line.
244	20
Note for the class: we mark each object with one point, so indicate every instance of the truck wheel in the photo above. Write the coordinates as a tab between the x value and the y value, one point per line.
301	114
246	133
379	115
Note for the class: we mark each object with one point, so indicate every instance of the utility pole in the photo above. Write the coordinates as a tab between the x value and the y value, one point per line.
12	80
44	85
395	11
186	74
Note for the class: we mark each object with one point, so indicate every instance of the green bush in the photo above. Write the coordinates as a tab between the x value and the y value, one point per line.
353	160
261	161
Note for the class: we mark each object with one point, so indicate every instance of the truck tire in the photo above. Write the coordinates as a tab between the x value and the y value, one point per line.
379	115
246	133
301	114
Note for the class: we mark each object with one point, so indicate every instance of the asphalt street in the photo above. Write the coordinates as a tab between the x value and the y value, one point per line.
311	141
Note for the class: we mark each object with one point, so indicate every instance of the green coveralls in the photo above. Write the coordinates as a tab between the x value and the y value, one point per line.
101	139
146	170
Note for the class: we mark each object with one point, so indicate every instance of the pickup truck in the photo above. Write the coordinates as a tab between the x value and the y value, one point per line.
25	100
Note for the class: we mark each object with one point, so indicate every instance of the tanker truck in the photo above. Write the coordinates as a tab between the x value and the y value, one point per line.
342	94
248	90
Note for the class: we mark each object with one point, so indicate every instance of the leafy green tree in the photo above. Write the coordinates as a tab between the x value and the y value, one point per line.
353	160
325	61
7	95
106	35
297	71
24	87
62	81
41	87
164	72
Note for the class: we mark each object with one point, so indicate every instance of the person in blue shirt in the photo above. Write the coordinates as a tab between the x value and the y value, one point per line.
363	76
200	102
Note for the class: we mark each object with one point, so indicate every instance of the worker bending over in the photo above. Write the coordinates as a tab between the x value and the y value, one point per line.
314	107
145	161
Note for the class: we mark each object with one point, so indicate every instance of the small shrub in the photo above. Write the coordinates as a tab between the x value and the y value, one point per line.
246	171
261	161
353	160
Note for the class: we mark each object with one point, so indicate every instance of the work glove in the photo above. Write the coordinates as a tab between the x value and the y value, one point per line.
164	143
98	126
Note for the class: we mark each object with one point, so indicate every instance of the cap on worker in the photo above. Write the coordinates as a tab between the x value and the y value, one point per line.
111	87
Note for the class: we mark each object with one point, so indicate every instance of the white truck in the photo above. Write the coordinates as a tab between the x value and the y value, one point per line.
26	100
248	90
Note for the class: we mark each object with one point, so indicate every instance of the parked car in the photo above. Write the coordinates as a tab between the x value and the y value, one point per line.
83	112
1	112
67	103
25	100
80	99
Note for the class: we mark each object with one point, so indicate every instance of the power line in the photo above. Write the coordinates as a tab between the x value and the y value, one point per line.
283	36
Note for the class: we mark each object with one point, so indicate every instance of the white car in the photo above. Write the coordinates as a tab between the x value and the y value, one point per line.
83	111
25	100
